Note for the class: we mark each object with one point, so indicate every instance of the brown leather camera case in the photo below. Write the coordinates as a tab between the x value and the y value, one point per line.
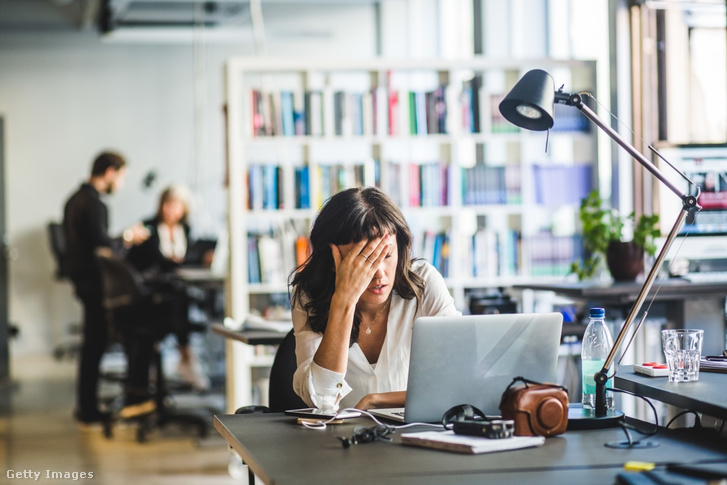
536	409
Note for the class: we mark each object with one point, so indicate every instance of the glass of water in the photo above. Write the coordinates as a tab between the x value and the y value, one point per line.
682	349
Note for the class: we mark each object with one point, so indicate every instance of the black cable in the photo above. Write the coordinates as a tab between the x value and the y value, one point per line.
697	420
362	434
626	426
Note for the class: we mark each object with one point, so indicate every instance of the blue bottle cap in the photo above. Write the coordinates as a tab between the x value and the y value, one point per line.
597	313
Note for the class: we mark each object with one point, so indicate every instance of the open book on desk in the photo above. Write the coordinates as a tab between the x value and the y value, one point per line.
449	441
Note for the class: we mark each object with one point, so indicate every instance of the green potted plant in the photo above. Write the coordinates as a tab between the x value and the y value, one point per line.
603	238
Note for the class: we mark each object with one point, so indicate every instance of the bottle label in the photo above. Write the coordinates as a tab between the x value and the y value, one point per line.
590	367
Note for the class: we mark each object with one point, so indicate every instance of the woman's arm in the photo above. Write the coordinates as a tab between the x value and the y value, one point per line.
395	399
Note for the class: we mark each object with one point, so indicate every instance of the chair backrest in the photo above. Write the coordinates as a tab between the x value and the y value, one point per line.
58	247
122	284
281	394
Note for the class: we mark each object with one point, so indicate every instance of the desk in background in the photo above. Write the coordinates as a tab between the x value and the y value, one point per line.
250	337
281	452
239	383
687	305
708	395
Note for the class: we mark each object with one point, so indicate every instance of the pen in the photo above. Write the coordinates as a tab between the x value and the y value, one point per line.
716	358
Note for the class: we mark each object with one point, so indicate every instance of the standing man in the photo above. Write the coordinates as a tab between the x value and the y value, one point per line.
85	224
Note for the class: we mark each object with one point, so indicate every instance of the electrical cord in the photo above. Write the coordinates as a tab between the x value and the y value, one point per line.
626	426
697	419
321	424
362	434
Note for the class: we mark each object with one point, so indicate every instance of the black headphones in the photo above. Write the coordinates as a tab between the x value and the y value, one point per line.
362	434
462	412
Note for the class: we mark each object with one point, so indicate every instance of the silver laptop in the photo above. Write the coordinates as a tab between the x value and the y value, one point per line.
472	359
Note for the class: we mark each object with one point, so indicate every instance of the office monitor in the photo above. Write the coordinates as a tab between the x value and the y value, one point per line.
703	236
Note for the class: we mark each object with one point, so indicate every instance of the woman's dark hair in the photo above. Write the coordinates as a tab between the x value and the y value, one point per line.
351	216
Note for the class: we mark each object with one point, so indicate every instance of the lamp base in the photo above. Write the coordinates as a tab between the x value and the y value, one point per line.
580	419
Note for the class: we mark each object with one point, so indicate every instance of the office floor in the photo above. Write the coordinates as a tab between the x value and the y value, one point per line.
37	434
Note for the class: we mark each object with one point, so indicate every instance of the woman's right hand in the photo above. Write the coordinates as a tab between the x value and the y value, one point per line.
356	265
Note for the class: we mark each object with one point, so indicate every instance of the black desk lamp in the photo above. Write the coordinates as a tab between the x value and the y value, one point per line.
529	105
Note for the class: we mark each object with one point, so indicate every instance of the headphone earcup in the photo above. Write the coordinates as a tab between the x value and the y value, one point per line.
461	412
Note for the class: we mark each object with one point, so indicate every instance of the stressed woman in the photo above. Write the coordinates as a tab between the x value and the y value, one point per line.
355	301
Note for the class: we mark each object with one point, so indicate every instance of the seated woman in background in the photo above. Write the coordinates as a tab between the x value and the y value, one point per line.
165	249
168	242
355	301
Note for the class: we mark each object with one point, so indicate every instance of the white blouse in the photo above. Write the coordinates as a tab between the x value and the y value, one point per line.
174	245
323	388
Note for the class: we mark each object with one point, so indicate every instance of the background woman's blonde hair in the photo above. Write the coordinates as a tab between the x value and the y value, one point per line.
175	192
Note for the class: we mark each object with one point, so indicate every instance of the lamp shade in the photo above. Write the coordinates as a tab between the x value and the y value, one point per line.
529	104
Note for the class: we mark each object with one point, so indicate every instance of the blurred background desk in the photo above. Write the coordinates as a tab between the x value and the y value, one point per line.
707	395
248	366
682	303
250	337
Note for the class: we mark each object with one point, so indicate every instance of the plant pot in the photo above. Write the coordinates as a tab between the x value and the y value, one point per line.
625	260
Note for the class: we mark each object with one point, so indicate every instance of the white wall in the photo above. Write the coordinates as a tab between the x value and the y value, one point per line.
66	95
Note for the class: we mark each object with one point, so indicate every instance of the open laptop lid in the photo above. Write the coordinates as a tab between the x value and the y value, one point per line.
472	359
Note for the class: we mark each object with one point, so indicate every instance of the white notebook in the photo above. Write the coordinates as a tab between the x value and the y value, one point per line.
449	441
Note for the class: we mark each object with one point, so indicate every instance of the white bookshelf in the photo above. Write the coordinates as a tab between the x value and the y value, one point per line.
366	145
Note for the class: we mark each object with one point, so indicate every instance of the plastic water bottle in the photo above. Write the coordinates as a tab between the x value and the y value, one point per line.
596	345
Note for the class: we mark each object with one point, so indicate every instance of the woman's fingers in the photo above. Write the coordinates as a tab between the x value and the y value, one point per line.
379	250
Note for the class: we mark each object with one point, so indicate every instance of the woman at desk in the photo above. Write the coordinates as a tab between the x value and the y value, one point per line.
355	301
165	249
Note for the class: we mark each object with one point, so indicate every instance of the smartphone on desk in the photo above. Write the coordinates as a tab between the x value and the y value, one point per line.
314	413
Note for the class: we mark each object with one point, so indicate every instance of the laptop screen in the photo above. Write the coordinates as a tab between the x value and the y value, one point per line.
472	359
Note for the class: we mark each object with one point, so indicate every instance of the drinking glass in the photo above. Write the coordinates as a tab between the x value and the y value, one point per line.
682	349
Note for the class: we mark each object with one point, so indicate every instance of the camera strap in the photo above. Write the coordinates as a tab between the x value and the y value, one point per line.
529	382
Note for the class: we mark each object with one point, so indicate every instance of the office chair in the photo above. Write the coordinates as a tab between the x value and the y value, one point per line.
139	318
72	345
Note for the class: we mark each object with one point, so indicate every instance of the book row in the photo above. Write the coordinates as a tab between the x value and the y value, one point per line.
486	254
382	111
418	185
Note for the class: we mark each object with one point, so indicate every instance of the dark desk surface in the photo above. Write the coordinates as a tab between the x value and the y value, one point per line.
279	451
668	289
250	337
708	395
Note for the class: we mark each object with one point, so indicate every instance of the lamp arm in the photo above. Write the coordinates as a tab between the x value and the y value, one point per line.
577	101
601	377
689	202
